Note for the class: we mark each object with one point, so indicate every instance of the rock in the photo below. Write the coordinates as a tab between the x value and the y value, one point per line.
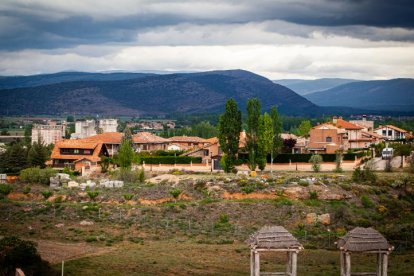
311	218
241	172
63	176
164	178
112	183
73	184
324	219
295	192
86	223
56	198
214	188
60	225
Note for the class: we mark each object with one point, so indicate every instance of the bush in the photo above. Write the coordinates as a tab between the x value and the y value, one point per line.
128	196
37	175
175	193
313	195
26	190
170	160
17	253
129	176
316	161
366	202
47	194
364	175
5	189
92	194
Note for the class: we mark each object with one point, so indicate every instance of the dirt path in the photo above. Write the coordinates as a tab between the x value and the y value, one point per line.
54	252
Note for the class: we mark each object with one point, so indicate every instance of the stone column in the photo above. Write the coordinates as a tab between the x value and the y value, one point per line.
294	263
289	263
385	264
347	264
256	264
379	264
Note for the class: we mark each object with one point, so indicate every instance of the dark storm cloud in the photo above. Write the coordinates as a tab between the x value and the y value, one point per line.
38	26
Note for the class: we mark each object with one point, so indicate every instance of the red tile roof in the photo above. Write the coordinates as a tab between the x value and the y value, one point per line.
347	125
106	138
394	128
76	144
187	139
148	138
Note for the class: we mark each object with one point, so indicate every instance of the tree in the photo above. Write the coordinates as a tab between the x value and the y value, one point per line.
402	150
277	131
126	155
14	159
229	128
288	145
70	119
69	130
37	155
304	128
264	140
28	134
316	161
127	136
253	117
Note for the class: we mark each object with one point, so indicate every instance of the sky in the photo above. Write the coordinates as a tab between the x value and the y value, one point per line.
279	39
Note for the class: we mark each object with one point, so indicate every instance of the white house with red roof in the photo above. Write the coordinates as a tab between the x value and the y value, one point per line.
390	132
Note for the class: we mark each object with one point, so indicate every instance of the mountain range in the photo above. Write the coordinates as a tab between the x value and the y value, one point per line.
137	94
383	95
304	87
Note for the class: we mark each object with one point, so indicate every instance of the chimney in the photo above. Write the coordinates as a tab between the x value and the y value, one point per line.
334	120
364	117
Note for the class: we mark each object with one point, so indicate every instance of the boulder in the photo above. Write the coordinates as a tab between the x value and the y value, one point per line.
86	223
164	177
60	225
324	219
73	184
311	218
295	192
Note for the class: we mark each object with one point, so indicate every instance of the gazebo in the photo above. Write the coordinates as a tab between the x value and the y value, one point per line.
364	240
277	239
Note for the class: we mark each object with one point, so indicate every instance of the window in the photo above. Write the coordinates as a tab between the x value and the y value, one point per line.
76	151
390	132
329	139
87	151
206	152
384	132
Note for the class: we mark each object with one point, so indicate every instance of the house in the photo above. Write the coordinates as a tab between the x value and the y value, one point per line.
210	150
77	154
48	134
187	142
390	132
327	138
354	134
147	141
367	125
142	141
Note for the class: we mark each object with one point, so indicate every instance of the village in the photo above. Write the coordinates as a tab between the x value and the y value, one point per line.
102	191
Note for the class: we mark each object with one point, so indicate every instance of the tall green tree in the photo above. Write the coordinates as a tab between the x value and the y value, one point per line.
229	128
277	131
28	134
126	154
38	155
304	128
14	159
265	137
402	150
253	118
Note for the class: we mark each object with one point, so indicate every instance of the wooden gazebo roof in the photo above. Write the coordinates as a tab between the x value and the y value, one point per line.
362	240
273	237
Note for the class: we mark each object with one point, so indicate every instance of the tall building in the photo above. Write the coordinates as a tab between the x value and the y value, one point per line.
84	129
108	125
48	134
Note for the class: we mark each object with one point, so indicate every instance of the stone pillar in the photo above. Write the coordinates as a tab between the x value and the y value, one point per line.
256	264
379	264
342	263
347	264
294	263
385	264
251	263
289	263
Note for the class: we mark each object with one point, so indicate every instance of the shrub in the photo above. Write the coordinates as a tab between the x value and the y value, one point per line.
37	175
5	189
316	161
284	201
92	194
17	253
313	195
141	175
128	196
128	176
175	193
338	162
366	201
26	190
170	159
47	194
249	188
303	183
364	175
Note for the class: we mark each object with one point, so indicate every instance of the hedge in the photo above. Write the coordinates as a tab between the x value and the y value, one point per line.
304	158
170	160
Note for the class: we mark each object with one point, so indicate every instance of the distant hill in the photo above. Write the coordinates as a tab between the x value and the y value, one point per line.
44	79
385	95
303	87
135	94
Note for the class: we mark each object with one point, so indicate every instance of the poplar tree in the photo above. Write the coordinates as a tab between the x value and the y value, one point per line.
253	117
229	128
265	142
